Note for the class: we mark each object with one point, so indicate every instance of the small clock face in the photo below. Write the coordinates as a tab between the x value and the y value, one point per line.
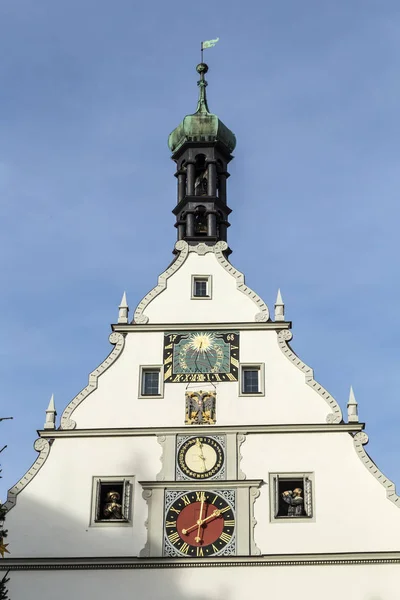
200	457
201	356
200	523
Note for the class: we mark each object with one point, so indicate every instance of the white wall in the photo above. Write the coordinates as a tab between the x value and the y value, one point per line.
228	304
367	582
52	514
288	399
352	512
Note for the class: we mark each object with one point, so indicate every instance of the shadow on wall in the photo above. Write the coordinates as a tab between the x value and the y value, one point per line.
72	533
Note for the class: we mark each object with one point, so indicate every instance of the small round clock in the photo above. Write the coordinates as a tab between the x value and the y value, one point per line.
199	524
200	457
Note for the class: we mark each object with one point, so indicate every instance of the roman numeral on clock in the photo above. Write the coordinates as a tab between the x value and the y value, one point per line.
225	537
174	537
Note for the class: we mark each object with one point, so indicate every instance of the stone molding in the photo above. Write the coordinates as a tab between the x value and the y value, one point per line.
219	249
240	439
284	338
118	340
43	447
163	327
201	249
183	249
360	440
254	494
217	484
270	560
244	429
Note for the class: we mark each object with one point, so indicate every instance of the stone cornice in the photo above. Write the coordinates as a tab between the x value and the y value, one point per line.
271	560
214	484
136	327
242	429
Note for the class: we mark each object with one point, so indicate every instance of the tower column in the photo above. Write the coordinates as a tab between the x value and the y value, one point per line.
181	229
181	175
212	223
190	179
222	186
212	178
190	223
223	229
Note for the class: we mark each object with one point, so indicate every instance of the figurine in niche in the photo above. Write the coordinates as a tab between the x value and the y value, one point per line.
201	184
295	501
200	408
112	508
200	223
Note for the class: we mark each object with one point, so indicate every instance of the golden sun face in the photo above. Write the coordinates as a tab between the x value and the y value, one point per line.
202	342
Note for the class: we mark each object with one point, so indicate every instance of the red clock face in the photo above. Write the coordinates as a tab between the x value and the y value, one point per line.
199	524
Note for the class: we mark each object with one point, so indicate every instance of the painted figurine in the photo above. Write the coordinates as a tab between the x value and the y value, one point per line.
295	501
113	509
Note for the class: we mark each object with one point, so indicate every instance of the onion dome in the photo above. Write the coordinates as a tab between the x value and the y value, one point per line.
202	126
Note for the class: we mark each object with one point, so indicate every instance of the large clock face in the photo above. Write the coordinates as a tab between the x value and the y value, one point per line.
200	457
201	356
200	523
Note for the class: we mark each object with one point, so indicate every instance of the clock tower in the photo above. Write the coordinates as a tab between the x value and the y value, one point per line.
203	459
201	146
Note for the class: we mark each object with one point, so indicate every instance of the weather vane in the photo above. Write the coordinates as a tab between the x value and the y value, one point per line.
207	44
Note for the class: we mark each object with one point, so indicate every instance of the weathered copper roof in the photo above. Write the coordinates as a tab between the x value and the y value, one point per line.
202	126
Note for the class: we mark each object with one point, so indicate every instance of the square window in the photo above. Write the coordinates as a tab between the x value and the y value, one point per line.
251	379
150	385
201	287
111	503
292	496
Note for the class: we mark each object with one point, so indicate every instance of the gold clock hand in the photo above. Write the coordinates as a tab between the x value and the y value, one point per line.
214	515
198	538
189	529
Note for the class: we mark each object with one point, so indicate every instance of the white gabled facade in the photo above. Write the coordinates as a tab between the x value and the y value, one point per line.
344	543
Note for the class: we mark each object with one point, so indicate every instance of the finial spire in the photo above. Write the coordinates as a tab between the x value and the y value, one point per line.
202	106
352	407
50	415
279	307
123	310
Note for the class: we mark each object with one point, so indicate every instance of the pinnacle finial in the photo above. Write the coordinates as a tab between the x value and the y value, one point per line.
352	407
51	413
123	310
279	307
202	106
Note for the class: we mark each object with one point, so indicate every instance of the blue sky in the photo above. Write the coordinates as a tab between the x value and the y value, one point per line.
89	91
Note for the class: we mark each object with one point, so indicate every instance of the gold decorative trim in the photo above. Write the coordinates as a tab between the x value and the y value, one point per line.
284	338
117	339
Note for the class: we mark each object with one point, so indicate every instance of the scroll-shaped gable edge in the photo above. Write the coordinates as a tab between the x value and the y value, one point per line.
183	248
115	338
284	336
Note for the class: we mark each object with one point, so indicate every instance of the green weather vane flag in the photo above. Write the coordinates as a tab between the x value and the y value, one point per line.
208	44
